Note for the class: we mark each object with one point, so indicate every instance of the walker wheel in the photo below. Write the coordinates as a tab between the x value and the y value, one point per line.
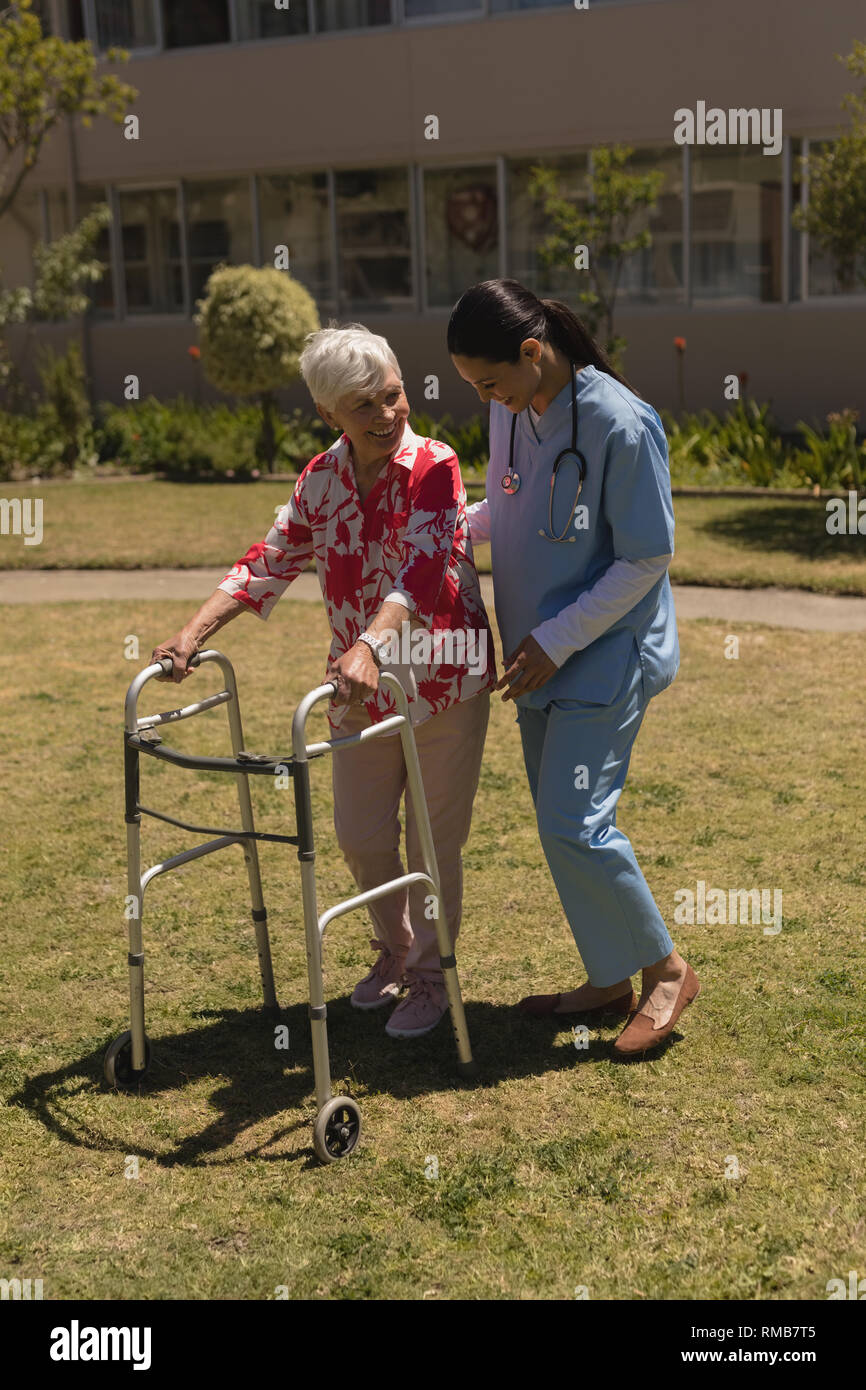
117	1063
337	1129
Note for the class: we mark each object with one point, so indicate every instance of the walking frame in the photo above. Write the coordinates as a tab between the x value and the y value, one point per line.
337	1126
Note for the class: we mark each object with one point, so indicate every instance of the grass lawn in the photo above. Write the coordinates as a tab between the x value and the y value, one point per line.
731	541
560	1168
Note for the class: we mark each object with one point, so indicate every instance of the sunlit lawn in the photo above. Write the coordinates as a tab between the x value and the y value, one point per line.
558	1169
743	542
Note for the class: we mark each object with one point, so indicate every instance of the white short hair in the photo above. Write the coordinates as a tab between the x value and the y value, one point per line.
336	361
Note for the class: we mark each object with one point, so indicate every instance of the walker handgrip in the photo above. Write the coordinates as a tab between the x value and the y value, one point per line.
168	665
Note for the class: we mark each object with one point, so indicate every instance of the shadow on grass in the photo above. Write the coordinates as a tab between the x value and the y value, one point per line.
798	529
263	1083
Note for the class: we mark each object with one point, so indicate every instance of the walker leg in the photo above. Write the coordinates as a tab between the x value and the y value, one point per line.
260	919
251	857
318	1009
134	910
136	951
466	1066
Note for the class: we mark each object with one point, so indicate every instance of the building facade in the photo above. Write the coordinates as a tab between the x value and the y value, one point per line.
385	146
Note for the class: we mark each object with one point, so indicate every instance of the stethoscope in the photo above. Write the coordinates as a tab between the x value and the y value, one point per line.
510	481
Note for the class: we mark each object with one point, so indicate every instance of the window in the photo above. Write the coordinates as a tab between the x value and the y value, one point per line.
151	250
41	9
655	274
796	236
824	277
461	219
528	226
219	222
260	19
87	198
294	213
498	5
125	23
736	224
73	21
373	238
351	14
187	23
423	9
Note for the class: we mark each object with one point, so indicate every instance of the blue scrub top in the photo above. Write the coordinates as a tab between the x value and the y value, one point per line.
629	515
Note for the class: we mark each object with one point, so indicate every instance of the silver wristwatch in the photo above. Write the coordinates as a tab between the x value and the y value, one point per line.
375	644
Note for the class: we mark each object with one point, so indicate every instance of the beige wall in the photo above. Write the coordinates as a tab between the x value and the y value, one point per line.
506	85
802	358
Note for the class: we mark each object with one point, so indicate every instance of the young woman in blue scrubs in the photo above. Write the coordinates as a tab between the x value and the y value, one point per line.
585	611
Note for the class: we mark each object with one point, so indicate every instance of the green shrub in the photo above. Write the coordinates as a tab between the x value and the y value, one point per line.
253	322
299	438
65	395
468	440
834	459
180	439
741	448
30	444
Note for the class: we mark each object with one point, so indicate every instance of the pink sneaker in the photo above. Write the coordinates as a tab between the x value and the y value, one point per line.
420	1011
384	982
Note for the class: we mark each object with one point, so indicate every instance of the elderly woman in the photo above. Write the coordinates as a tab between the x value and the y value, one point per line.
383	512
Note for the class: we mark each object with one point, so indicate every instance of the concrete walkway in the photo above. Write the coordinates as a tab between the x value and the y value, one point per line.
776	607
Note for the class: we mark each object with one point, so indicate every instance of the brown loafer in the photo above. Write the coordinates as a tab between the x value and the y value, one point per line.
640	1034
543	1005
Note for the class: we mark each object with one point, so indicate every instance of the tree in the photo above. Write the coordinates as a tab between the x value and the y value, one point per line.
253	324
44	79
63	270
836	212
603	224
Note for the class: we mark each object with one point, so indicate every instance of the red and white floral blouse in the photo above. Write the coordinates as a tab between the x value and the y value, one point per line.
408	542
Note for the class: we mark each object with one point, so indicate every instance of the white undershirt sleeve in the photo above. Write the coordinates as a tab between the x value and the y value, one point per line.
478	516
621	586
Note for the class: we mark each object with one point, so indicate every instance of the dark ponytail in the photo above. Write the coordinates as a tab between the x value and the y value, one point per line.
493	318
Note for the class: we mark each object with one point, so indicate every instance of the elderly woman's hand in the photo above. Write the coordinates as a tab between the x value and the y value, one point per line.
357	674
180	648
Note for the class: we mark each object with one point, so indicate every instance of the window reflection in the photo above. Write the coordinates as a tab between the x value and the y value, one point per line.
824	274
461	210
294	213
260	19
529	226
373	238
736	224
422	9
219	227
125	23
88	197
150	242
351	14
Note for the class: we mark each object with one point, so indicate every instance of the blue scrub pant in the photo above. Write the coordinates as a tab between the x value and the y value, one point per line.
610	909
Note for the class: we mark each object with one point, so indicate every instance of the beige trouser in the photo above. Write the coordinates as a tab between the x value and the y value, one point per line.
369	780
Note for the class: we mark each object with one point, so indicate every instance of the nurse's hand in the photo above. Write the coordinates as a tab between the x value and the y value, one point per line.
527	668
